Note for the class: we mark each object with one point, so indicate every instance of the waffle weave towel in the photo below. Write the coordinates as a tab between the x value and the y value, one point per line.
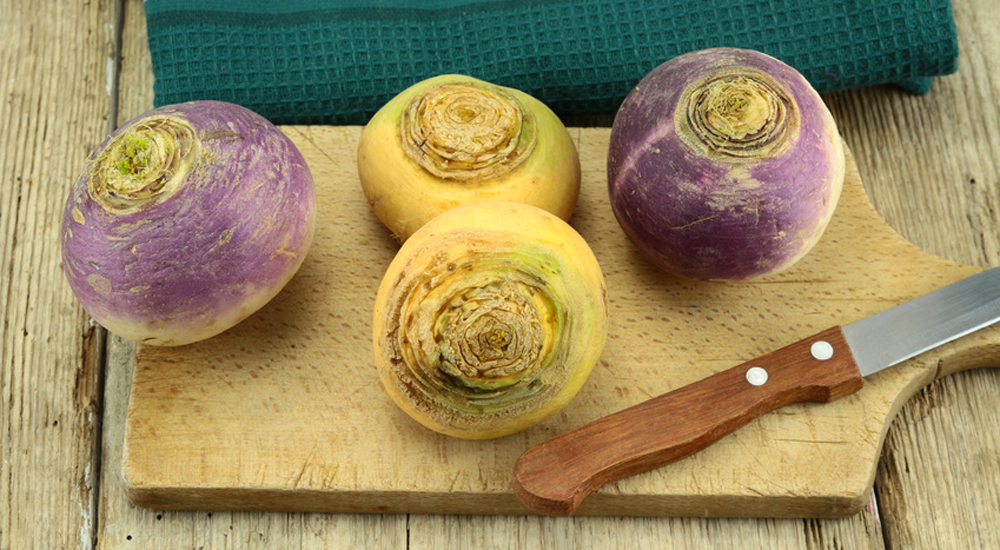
338	61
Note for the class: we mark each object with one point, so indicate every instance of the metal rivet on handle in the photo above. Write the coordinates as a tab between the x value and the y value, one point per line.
757	376
821	350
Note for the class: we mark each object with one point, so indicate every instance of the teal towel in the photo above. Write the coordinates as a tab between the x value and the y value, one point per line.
339	61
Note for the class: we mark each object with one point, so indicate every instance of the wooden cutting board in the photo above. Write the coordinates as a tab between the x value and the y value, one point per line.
285	412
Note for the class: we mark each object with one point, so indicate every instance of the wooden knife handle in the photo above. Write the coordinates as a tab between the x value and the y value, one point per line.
554	477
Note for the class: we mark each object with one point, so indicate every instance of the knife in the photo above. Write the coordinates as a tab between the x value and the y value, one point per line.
555	476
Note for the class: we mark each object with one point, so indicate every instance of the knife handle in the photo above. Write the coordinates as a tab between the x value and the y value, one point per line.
555	476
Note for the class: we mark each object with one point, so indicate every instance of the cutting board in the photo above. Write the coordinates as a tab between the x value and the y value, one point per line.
285	412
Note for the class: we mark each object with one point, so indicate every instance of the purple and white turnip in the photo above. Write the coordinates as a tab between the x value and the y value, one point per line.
185	221
724	164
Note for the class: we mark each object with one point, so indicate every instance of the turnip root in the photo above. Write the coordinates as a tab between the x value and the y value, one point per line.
724	164
453	139
185	221
489	319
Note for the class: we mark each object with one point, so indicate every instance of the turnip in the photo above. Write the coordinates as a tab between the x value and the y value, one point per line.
185	221
489	319
724	164
454	139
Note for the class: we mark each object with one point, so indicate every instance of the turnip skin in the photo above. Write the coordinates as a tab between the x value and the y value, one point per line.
405	192
705	215
217	242
489	319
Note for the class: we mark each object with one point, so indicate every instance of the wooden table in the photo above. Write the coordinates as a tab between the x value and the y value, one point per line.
72	71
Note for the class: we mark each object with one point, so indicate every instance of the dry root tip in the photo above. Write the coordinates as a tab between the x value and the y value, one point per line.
737	113
143	164
464	132
478	347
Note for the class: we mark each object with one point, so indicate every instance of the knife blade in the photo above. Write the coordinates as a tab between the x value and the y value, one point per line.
555	476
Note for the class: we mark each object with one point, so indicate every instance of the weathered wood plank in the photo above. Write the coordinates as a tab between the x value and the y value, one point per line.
54	104
939	469
860	532
931	166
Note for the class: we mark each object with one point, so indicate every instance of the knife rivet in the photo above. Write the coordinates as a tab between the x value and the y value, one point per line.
757	376
821	350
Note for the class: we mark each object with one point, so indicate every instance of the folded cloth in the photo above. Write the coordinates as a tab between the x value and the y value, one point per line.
339	61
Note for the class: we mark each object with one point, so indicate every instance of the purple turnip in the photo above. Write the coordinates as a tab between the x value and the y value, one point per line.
185	221
724	164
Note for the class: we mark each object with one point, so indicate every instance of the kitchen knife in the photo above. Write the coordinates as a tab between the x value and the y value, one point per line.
555	476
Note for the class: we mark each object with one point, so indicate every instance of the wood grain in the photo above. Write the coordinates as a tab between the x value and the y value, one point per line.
951	422
54	108
931	168
285	412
